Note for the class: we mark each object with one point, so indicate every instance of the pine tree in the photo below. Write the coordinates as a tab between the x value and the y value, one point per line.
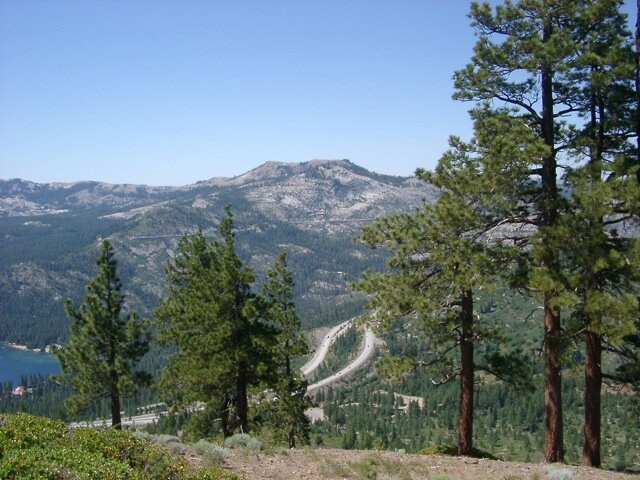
534	61
103	349
603	267
290	386
628	352
602	263
214	320
441	253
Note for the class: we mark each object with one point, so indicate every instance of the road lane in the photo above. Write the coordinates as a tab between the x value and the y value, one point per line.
323	348
368	345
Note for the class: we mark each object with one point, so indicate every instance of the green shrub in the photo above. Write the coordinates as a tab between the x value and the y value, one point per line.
216	457
22	431
212	455
142	435
243	440
165	439
452	450
177	448
201	446
36	448
380	468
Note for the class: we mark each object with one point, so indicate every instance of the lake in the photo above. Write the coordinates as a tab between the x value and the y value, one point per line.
15	362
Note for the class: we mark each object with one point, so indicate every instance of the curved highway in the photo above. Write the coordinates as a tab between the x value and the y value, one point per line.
368	345
323	348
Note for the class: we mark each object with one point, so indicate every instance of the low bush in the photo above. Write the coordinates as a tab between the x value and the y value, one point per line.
243	440
559	474
165	439
212	455
34	448
452	450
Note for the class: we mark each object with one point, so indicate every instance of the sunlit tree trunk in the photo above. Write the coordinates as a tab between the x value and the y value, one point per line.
465	420
592	396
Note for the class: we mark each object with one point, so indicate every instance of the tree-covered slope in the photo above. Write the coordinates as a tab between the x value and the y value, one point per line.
49	235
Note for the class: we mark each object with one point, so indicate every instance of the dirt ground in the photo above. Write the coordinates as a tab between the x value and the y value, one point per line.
352	464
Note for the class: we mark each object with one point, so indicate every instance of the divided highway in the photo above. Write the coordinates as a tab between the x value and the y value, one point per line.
323	348
368	347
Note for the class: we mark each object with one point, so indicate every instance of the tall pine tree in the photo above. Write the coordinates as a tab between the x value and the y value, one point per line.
440	254
602	262
214	321
103	349
290	385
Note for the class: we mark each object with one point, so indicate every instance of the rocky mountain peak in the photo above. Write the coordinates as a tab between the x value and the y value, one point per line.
317	194
271	170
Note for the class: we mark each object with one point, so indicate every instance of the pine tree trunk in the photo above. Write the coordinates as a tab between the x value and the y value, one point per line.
242	404
553	441
465	419
116	419
287	357
592	394
224	415
553	438
291	433
593	353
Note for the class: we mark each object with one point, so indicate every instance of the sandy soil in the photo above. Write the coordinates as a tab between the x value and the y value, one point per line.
352	464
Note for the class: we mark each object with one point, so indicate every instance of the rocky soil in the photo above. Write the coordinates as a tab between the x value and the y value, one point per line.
316	464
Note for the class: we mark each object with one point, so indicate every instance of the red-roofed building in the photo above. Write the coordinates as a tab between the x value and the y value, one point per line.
19	391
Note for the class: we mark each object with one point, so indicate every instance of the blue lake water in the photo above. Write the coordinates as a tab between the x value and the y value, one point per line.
15	362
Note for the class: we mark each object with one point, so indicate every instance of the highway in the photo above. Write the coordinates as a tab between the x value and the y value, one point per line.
137	420
368	347
323	348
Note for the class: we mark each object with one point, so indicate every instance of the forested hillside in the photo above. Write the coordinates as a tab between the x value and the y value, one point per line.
49	235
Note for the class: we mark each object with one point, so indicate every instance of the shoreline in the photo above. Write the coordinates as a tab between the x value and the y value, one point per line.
23	348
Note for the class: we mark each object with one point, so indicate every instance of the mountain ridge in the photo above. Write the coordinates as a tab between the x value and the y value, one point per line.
49	235
19	197
215	180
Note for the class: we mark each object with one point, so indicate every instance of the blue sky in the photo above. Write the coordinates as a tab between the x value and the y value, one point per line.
171	92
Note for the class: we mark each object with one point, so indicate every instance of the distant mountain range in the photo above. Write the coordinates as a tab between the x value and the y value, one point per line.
315	195
49	235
